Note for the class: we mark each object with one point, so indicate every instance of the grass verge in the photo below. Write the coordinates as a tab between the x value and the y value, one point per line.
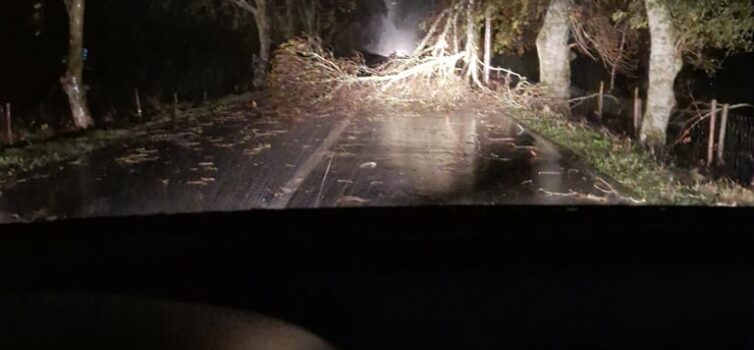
646	179
42	153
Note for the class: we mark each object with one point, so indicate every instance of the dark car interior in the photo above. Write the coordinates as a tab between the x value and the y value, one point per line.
399	278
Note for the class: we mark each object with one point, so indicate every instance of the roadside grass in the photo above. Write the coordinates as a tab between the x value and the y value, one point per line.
44	149
646	179
35	155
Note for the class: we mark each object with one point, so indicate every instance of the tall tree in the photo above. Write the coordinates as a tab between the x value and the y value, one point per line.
665	62
258	9
72	80
290	26
696	32
487	43
309	14
472	51
553	51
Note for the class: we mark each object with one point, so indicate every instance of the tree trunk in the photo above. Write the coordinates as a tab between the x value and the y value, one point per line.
553	51
72	80
665	62
472	55
487	44
309	17
263	28
290	27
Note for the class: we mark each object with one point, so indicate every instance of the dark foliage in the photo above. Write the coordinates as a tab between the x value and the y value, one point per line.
131	44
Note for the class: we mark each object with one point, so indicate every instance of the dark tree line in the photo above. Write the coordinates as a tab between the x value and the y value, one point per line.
129	44
183	46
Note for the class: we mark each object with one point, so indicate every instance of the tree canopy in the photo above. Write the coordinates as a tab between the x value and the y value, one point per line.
709	30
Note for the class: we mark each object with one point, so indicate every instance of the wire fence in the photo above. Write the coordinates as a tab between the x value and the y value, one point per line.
738	155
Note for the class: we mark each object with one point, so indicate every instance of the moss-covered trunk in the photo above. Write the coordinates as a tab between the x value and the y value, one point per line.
553	51
665	62
72	81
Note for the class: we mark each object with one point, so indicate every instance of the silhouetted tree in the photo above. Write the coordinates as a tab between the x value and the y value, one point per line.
258	9
72	80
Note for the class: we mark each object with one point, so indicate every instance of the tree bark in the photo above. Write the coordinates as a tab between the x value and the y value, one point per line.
309	17
263	27
290	19
72	80
259	11
472	55
487	44
665	62
553	51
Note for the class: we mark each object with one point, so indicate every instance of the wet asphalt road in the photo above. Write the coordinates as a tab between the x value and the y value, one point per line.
240	159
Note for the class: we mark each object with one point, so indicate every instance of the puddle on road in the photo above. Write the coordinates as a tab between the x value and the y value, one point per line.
449	159
502	163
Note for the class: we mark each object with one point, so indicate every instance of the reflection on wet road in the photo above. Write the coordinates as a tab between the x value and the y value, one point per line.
445	159
240	160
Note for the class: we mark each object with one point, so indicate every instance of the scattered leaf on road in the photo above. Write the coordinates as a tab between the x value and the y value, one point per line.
368	165
258	133
256	150
137	158
196	183
352	200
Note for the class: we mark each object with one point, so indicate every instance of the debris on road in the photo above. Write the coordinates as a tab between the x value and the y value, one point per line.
137	158
352	201
197	183
257	150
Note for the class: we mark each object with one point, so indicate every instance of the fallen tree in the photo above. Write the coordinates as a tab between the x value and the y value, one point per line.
303	68
443	72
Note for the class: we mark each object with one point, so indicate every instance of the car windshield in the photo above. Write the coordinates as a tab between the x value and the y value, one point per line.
120	108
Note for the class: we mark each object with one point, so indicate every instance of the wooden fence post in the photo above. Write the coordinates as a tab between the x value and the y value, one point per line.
721	137
601	101
137	99
637	113
711	138
8	126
